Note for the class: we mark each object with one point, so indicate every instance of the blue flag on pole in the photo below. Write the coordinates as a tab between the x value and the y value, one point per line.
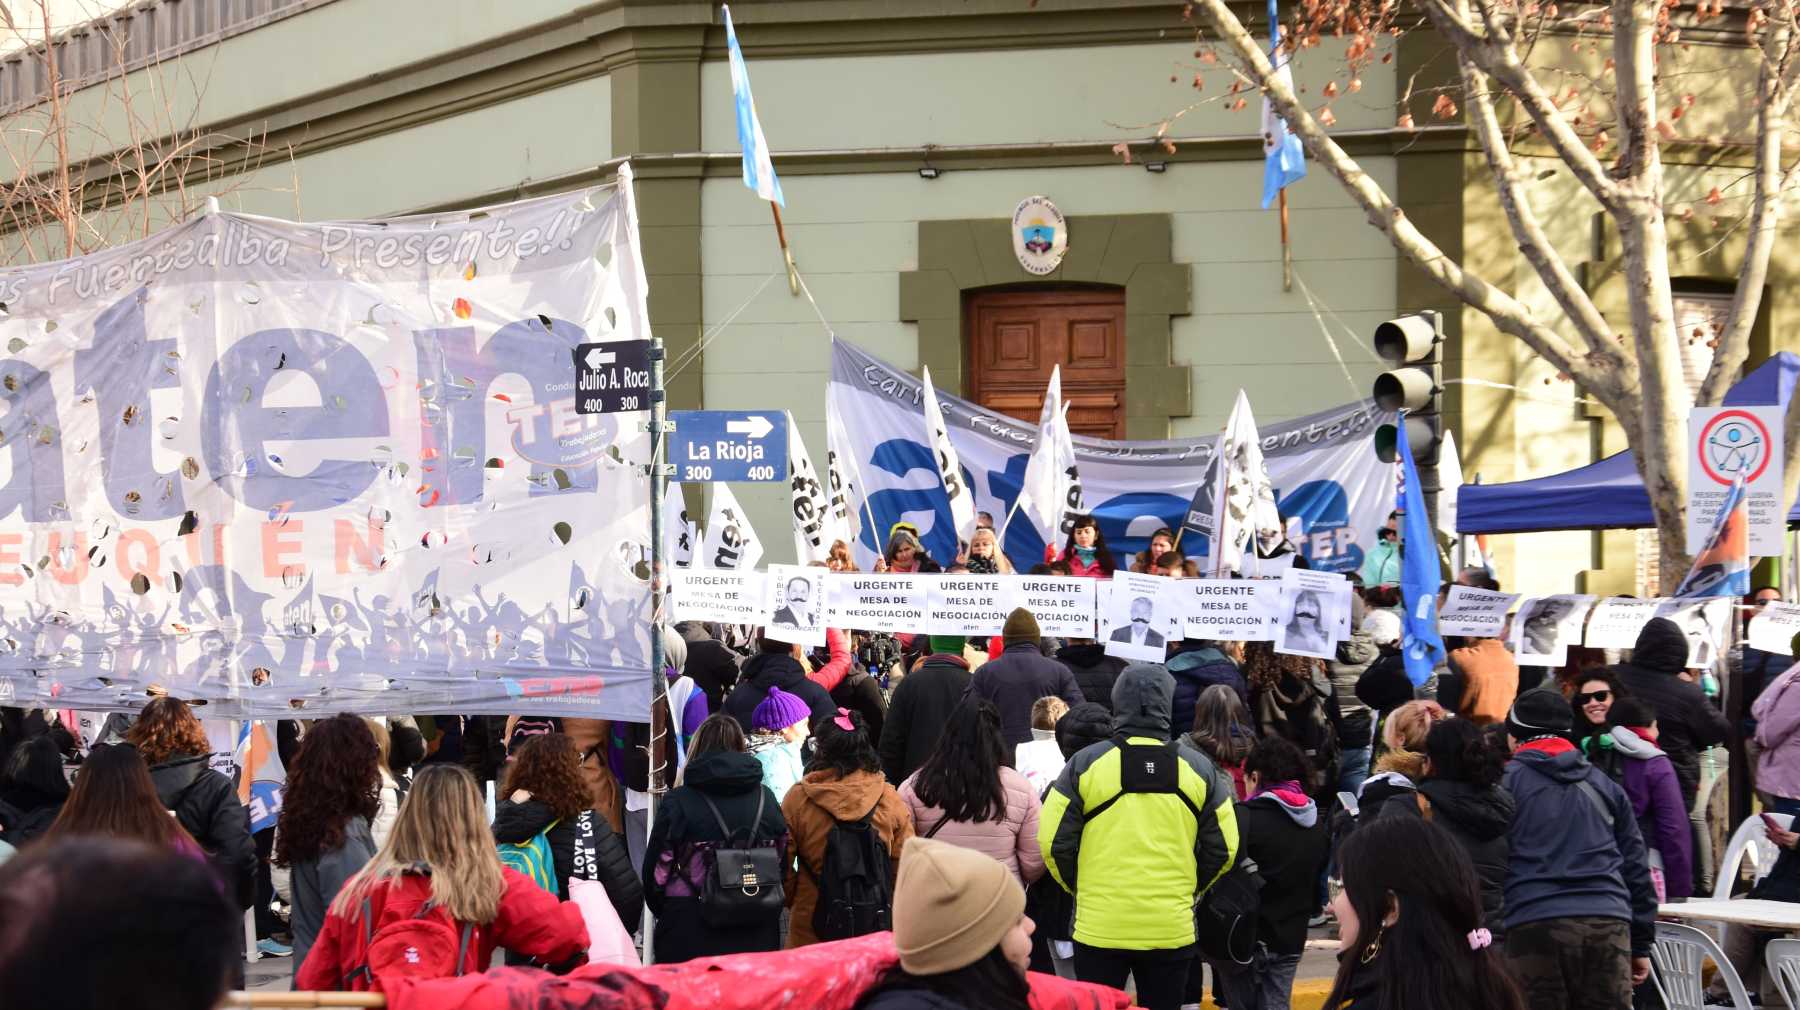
1420	579
1284	160
759	170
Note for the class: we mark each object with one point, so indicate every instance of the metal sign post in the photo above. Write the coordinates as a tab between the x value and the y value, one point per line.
658	472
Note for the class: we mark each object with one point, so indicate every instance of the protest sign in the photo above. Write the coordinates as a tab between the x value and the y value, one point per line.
1615	622
1142	618
1546	626
1063	605
708	594
895	604
1314	613
272	465
1774	627
793	599
1706	624
1726	444
1231	610
1480	613
967	604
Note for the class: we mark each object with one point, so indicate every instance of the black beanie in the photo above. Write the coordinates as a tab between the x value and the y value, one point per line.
1538	713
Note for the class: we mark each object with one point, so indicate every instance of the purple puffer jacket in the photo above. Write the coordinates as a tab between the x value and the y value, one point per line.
1655	795
1777	712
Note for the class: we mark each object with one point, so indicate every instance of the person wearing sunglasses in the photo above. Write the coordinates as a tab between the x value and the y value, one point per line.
1593	700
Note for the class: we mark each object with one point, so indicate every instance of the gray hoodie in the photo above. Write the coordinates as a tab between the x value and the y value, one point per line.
315	883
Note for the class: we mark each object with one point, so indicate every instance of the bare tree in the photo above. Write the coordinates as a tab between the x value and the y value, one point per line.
133	158
1607	128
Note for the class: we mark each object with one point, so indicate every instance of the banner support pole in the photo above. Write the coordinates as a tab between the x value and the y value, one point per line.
658	472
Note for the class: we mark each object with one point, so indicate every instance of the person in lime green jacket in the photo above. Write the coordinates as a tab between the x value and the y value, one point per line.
1137	828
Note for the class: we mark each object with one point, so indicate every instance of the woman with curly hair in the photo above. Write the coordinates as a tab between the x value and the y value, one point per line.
333	793
1291	697
175	747
546	794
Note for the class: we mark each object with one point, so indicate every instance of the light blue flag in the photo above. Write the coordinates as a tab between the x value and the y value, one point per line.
759	171
1420	578
1284	160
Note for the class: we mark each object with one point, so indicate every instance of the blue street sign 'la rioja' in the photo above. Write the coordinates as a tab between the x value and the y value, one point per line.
729	445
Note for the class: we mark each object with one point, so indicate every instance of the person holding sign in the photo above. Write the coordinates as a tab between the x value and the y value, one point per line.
1688	720
1086	552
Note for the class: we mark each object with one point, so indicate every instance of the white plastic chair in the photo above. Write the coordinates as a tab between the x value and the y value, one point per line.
1782	962
1750	841
1677	957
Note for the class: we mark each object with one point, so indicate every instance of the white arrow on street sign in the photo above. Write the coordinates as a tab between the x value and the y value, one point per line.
756	426
597	357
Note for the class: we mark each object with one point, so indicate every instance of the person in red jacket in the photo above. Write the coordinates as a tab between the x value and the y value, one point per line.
441	851
1085	552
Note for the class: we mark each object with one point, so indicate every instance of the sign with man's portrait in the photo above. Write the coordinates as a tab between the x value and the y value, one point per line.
795	603
1142	617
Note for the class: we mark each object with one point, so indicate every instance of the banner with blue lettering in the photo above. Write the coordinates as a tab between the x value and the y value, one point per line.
1332	491
311	468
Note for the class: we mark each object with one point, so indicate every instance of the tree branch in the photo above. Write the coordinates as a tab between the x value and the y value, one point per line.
1508	314
1528	232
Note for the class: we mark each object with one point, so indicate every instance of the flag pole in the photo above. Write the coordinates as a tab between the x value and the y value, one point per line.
1287	252
793	273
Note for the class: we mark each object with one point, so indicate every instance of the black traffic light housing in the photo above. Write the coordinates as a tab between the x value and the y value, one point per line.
1414	383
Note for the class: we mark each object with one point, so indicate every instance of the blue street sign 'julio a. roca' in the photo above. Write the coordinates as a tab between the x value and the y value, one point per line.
729	445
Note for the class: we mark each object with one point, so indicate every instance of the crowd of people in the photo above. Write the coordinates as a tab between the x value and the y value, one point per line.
1499	837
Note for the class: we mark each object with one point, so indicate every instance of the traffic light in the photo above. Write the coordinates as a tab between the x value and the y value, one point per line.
1410	344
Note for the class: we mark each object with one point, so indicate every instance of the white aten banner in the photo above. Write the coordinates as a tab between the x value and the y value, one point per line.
327	467
706	594
1062	604
1472	612
1615	622
1329	485
968	604
1314	613
1774	627
895	604
1230	610
1546	626
1142	616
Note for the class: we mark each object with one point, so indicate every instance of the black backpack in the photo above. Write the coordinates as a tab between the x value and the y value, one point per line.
1225	918
855	895
744	887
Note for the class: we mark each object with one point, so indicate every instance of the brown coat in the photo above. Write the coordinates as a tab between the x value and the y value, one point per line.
1490	681
809	808
590	738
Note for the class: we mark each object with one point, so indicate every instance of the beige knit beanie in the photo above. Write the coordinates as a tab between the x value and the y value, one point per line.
951	906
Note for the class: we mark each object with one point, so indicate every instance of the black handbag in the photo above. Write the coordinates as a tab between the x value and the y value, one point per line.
745	885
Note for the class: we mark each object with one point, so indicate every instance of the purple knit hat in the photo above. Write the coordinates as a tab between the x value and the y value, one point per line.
779	711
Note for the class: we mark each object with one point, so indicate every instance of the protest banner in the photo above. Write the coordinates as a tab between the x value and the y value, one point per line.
1314	613
1231	610
793	600
260	463
1331	489
707	594
1142	617
1774	627
1706	623
967	604
1615	622
1062	604
896	604
1475	612
1546	626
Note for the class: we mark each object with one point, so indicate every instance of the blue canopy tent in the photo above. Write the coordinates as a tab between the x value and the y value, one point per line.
1608	494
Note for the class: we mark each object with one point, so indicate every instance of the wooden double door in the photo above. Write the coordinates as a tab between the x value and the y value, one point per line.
1016	337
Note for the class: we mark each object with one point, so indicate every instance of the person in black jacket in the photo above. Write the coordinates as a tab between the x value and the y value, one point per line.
1197	664
861	693
1020	676
713	667
920	705
175	746
546	794
720	775
774	666
1285	836
1094	670
33	789
1462	794
1689	723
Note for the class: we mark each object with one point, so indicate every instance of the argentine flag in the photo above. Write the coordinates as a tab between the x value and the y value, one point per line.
1284	160
759	171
